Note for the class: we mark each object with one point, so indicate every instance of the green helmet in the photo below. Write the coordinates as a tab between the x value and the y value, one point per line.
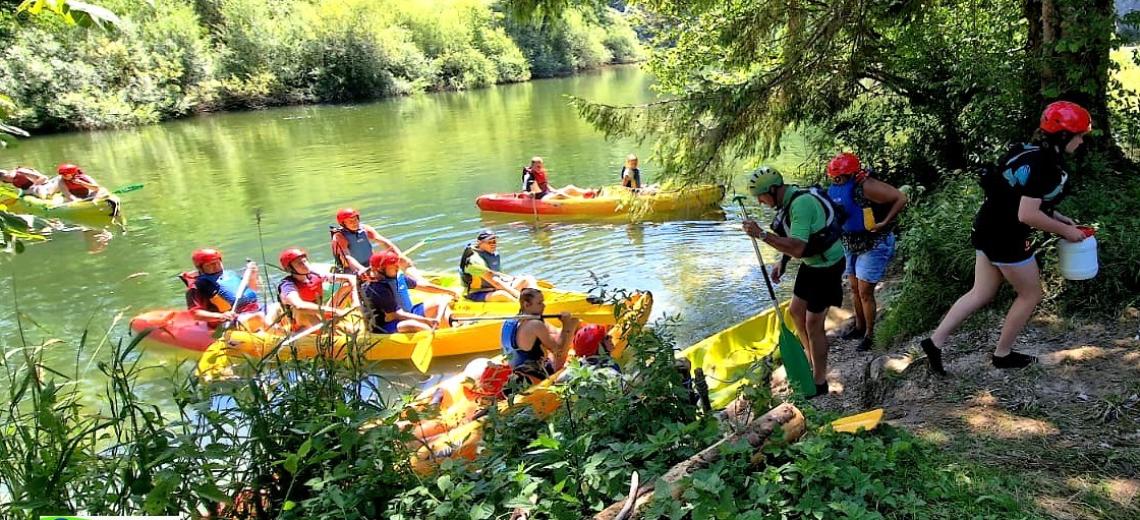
763	179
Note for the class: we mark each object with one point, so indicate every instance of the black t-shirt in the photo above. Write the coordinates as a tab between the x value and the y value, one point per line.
1025	171
380	297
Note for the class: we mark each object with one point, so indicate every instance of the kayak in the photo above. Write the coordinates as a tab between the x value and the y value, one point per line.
480	336
727	356
95	213
179	328
609	201
454	436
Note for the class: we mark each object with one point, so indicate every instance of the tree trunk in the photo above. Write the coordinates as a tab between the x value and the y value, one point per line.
785	418
1069	58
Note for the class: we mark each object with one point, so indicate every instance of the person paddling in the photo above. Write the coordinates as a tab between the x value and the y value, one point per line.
536	349
479	267
302	290
76	185
534	181
388	303
212	292
352	243
29	180
1021	195
871	207
806	227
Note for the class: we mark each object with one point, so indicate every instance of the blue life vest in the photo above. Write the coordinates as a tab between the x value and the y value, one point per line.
508	340
227	283
843	195
359	247
821	240
399	286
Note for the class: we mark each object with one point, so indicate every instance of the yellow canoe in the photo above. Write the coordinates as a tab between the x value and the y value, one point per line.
727	355
481	336
96	213
609	202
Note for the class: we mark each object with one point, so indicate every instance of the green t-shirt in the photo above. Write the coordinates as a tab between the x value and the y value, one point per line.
806	216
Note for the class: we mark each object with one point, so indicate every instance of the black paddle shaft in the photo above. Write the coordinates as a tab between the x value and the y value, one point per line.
759	255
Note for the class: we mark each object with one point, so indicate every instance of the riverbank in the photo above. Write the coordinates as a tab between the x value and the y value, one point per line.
1065	432
179	57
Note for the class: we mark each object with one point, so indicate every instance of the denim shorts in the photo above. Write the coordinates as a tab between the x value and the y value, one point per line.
871	266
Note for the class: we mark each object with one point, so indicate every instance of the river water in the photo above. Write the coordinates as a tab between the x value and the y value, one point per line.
412	166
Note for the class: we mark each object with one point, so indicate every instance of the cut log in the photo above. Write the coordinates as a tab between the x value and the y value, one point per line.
786	417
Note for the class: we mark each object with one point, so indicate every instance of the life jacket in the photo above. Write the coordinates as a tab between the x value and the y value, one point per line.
359	247
22	180
227	283
821	240
493	263
531	176
862	213
76	189
509	342
311	288
636	176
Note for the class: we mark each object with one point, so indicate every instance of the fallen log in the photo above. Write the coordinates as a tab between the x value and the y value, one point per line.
786	417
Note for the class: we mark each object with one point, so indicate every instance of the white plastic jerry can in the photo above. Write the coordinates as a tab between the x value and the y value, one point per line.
1078	259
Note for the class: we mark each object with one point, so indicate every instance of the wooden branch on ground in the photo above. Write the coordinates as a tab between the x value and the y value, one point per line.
786	417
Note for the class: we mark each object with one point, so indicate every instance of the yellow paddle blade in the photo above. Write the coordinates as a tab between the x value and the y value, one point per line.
215	362
421	354
852	423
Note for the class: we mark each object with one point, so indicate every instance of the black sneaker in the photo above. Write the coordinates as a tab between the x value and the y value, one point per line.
1013	360
854	333
866	344
933	357
820	390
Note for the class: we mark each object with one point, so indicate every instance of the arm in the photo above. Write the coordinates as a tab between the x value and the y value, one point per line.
557	345
254	283
425	285
1029	213
491	278
789	246
340	251
1062	218
883	193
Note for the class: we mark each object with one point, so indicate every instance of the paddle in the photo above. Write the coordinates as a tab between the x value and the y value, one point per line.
791	350
241	290
503	318
851	424
423	352
128	188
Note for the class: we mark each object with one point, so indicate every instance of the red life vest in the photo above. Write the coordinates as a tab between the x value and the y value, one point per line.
310	289
22	180
76	189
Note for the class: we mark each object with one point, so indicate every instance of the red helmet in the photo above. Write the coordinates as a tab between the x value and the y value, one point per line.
204	256
587	340
1067	116
845	163
344	214
384	259
289	256
68	169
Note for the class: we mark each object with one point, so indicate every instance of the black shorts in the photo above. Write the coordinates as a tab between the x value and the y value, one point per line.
820	287
1012	247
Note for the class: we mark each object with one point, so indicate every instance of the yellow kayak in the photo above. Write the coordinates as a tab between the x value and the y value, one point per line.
96	213
727	355
453	436
480	336
608	201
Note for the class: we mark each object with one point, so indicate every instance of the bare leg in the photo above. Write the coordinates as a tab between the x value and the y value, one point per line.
860	321
500	296
867	305
1026	280
987	281
818	351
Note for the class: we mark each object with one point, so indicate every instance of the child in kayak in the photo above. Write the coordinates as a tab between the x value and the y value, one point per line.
212	292
388	301
76	185
534	182
302	290
352	243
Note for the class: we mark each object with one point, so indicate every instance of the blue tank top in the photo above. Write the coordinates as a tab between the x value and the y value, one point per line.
359	247
225	284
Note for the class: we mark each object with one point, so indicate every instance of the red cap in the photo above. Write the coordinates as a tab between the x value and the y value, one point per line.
384	259
344	214
1065	115
588	339
204	256
845	163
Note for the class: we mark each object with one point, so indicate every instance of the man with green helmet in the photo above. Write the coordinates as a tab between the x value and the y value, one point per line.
807	226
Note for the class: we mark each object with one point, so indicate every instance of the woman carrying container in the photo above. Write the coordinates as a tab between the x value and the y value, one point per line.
1021	194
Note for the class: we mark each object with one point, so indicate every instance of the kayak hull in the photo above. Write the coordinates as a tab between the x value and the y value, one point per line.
611	202
96	213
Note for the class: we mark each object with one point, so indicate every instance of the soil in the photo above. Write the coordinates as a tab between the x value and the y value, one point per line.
1068	426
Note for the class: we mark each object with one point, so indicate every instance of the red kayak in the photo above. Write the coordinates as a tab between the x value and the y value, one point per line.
176	328
606	202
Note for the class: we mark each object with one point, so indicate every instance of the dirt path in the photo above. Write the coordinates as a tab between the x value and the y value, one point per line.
1069	426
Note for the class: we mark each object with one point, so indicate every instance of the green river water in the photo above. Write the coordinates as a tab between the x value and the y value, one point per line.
412	166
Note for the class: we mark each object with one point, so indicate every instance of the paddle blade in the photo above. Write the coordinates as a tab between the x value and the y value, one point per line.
852	423
796	363
127	189
422	353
